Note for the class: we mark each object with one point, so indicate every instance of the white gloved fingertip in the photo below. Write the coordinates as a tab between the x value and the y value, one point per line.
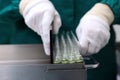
46	43
47	52
56	23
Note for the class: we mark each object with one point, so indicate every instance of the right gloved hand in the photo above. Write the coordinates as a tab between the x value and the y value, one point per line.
93	30
41	16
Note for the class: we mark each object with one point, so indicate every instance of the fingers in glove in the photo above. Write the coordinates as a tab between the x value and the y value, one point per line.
92	49
46	27
46	44
95	41
31	21
56	23
106	39
84	44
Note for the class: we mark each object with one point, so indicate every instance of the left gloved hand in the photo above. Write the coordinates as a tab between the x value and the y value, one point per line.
93	34
41	16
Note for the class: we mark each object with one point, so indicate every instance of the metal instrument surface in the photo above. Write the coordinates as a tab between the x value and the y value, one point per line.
28	62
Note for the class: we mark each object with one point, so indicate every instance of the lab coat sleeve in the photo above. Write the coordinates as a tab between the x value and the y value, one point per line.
115	7
9	10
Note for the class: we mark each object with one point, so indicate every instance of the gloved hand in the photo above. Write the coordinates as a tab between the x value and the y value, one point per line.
93	34
93	30
41	16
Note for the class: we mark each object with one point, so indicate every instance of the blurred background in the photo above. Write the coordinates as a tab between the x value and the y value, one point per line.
117	31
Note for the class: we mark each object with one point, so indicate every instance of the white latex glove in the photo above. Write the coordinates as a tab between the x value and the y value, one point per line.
41	17
93	34
93	30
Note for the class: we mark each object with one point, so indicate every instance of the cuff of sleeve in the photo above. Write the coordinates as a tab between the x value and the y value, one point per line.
103	11
24	3
115	7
